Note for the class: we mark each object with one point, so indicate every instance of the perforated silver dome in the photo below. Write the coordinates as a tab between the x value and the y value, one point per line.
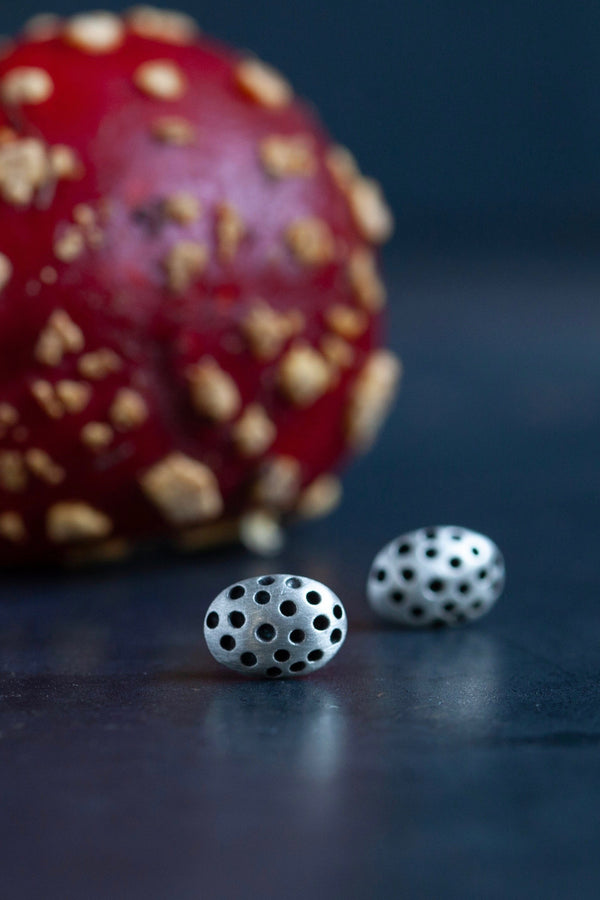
440	575
275	626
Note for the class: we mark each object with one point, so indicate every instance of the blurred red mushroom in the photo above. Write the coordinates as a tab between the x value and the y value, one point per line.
189	292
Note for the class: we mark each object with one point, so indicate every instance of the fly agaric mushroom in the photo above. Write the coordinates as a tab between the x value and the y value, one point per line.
190	297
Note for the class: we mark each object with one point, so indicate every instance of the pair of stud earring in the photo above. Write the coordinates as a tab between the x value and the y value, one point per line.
277	626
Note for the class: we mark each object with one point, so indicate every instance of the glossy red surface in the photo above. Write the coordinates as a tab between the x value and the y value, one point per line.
116	292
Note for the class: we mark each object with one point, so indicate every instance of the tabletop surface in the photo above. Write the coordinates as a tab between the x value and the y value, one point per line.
438	764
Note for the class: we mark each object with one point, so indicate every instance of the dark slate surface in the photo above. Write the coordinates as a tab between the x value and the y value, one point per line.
461	763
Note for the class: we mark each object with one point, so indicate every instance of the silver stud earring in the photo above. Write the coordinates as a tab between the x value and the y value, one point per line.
442	575
275	626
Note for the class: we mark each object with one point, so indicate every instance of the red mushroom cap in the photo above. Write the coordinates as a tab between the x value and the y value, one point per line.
189	294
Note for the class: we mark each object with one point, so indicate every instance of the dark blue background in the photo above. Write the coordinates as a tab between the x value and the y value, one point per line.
480	118
425	766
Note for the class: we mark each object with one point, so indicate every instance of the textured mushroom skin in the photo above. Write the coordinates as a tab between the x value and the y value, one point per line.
156	249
